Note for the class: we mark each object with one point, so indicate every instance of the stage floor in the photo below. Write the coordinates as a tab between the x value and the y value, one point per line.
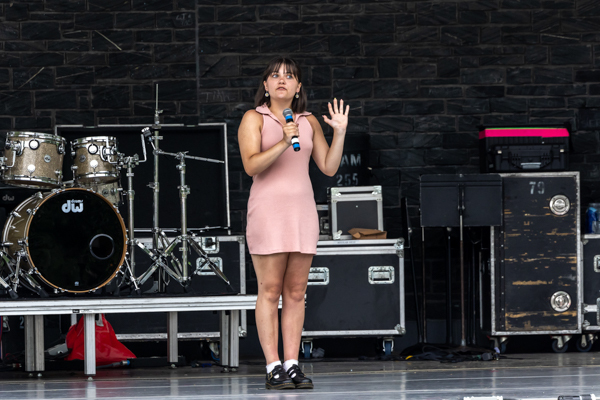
520	376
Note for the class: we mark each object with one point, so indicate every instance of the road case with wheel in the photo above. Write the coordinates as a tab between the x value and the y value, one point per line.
591	291
533	285
356	288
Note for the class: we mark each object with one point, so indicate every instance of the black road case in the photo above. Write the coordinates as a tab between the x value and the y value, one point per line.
356	288
534	282
524	149
208	200
229	254
591	282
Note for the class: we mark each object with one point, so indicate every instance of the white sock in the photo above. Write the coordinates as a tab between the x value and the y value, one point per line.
288	364
272	366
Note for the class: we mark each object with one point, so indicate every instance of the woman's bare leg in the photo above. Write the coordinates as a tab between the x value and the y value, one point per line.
270	271
292	313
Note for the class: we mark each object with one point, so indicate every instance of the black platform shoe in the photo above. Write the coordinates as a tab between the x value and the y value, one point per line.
279	379
299	379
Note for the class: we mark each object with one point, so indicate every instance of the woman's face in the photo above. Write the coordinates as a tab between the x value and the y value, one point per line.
282	85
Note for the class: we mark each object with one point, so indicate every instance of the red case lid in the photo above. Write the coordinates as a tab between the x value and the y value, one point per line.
522	132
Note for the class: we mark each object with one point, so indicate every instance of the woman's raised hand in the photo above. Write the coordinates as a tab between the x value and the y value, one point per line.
338	116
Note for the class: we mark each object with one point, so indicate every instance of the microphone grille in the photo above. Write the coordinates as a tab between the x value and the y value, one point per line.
287	113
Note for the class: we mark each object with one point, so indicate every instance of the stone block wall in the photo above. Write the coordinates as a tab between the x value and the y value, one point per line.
420	76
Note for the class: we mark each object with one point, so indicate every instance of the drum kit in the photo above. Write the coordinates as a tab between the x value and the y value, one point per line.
70	237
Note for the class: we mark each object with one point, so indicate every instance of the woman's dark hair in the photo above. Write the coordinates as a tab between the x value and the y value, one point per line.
292	67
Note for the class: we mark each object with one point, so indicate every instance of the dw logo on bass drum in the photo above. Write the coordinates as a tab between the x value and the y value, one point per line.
72	206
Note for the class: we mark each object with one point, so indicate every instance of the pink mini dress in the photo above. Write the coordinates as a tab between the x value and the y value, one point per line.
282	214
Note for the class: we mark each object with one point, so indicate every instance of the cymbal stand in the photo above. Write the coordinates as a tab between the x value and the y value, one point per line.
155	186
184	239
130	163
160	253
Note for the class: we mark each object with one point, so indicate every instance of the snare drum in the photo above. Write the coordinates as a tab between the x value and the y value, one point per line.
95	160
33	160
74	239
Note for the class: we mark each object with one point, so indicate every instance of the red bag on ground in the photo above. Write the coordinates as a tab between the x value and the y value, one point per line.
108	349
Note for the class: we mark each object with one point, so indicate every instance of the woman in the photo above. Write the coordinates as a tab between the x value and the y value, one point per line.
282	226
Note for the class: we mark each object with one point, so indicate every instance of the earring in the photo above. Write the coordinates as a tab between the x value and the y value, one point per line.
266	94
297	95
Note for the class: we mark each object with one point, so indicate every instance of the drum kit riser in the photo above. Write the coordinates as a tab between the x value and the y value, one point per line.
72	238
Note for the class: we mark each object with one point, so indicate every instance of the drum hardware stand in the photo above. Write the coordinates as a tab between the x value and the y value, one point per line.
6	286
130	163
186	240
154	138
16	273
162	250
160	260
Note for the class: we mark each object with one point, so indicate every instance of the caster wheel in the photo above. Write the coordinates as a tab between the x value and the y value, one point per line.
586	348
557	349
306	349
498	346
387	347
502	347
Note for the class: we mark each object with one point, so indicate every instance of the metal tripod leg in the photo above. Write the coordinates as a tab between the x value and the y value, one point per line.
167	250
132	279
6	286
158	261
207	260
17	272
3	283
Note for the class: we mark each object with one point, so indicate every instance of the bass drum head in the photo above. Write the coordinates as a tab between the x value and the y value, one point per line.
77	240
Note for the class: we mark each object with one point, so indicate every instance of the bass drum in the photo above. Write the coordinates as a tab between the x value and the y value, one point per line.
74	239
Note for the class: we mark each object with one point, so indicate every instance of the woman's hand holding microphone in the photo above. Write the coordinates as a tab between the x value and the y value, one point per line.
290	130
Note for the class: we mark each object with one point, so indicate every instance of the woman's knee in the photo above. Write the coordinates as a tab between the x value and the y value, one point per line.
294	293
270	291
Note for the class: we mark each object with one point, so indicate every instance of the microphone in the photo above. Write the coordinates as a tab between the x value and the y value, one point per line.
289	117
